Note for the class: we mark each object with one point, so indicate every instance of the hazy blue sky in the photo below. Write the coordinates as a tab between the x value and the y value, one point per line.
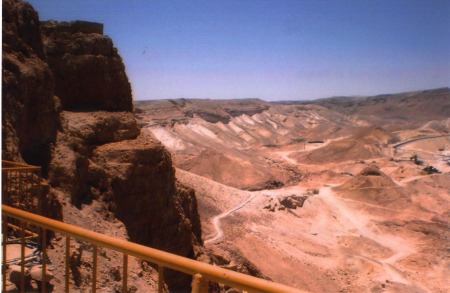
274	50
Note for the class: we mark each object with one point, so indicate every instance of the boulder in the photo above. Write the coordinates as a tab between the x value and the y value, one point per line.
36	274
15	274
293	201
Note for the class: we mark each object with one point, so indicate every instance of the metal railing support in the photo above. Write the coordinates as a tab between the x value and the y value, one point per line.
21	186
22	256
160	279
199	284
4	240
204	272
31	234
67	263
94	269
125	273
44	260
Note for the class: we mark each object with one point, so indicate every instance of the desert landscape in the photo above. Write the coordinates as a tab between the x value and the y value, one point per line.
342	194
319	195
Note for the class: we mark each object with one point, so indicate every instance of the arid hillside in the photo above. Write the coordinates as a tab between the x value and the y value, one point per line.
337	195
226	141
394	110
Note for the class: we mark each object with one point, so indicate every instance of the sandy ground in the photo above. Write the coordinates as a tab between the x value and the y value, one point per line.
334	243
353	233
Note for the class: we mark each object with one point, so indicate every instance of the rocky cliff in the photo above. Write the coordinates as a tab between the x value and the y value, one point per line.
30	115
88	70
92	150
138	181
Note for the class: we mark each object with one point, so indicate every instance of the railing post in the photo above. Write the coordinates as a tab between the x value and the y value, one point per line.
67	262
39	194
44	259
199	284
22	256
94	269
160	279
203	273
4	242
125	273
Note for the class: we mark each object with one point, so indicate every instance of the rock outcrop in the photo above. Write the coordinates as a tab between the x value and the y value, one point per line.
30	111
88	70
99	155
81	133
138	180
99	158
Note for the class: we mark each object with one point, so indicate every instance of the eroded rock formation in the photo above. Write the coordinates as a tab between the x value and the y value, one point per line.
88	70
30	116
82	132
90	156
137	179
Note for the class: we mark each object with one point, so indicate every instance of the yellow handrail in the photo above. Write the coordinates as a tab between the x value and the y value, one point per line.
14	166
161	258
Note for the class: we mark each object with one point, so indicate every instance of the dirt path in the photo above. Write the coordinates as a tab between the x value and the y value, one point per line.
360	224
285	156
399	145
216	220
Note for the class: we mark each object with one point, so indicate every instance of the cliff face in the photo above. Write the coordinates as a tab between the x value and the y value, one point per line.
138	180
29	108
89	72
81	133
134	191
97	155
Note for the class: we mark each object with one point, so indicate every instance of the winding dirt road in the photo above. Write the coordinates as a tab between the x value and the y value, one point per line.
216	220
400	144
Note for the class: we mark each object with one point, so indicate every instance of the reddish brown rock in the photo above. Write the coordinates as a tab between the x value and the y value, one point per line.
89	73
90	156
81	132
29	108
137	179
100	127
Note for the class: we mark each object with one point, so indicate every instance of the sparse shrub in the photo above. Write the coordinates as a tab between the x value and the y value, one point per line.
431	170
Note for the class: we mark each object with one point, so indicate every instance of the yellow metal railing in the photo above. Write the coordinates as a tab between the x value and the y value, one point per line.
202	273
21	186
